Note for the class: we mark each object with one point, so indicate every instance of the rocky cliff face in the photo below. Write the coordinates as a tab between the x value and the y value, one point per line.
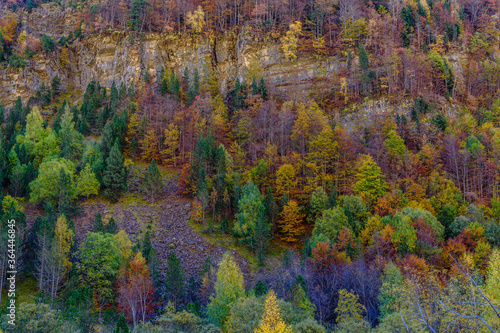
117	56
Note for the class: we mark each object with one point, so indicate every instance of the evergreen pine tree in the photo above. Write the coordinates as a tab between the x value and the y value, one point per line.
146	246
185	77
111	226
161	75
123	91
114	98
176	88
153	183
153	268
66	189
238	96
136	14
364	63
196	82
115	174
284	201
107	141
255	88
164	86
146	75
272	210
263	89
332	199
262	234
260	288
98	225
56	125
121	325
2	47
55	86
131	90
175	284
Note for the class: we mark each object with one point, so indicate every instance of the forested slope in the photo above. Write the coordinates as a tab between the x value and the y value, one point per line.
343	154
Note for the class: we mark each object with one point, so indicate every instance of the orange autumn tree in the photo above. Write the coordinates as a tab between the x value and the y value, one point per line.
290	222
136	290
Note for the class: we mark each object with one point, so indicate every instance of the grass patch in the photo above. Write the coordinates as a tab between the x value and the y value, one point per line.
276	248
26	291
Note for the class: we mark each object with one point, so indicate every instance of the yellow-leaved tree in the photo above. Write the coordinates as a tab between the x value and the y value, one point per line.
125	245
196	20
286	181
493	277
229	288
291	40
64	238
348	307
290	222
171	143
271	319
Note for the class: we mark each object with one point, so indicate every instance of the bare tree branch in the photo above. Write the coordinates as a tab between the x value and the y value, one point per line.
479	289
404	322
466	317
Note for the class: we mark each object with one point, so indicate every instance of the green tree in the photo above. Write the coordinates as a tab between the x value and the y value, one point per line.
115	173
356	211
98	224
175	283
371	183
415	213
71	140
348	307
100	261
391	292
40	141
79	307
364	62
332	197
111	227
153	182
47	43
229	288
317	204
263	89
87	183
55	86
121	325
33	317
248	211
272	209
55	180
395	144
405	237
137	14
331	223
146	246
2	49
262	233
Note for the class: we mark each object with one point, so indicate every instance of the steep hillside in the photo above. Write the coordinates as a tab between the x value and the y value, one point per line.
124	57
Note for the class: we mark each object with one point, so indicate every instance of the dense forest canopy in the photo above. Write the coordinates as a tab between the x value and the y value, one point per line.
369	206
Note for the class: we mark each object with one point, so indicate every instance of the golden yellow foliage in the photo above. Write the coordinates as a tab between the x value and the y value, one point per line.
271	319
196	20
125	245
171	143
290	222
348	307
64	238
291	39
